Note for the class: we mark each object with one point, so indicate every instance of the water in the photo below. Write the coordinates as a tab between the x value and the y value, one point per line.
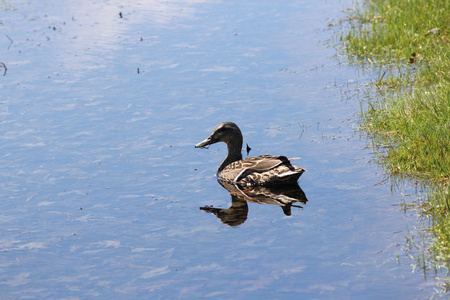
101	185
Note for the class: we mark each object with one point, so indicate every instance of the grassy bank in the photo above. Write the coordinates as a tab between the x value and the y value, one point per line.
409	41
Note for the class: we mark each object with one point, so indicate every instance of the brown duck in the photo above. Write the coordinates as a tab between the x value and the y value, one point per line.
261	170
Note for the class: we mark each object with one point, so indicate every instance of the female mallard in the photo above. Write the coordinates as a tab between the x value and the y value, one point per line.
261	170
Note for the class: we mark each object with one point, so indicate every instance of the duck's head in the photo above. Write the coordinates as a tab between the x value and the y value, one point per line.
226	132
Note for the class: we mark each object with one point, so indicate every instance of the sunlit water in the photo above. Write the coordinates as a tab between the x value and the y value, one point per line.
101	186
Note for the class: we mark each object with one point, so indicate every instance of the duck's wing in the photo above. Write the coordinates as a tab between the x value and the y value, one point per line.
259	164
264	163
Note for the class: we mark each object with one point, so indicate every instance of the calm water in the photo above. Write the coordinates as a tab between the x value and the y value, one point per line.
100	184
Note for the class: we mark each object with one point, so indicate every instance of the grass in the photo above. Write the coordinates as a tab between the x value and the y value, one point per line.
417	126
409	41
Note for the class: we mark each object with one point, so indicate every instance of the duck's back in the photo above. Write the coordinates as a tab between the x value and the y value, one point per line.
261	170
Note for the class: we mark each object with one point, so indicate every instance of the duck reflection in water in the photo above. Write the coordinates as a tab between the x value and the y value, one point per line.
285	196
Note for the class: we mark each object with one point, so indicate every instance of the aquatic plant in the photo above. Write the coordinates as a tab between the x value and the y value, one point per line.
408	41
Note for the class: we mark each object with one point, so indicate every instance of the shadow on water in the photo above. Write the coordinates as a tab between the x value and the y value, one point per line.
285	196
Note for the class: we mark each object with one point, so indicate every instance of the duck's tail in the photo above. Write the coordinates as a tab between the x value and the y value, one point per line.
293	175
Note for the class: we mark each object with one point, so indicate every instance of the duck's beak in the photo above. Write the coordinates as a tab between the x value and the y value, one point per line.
204	143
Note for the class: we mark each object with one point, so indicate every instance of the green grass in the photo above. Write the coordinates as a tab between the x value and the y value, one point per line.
395	29
409	42
417	125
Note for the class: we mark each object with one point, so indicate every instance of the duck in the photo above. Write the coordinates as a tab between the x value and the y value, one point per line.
260	170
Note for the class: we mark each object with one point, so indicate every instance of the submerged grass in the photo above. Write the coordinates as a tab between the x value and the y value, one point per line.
413	122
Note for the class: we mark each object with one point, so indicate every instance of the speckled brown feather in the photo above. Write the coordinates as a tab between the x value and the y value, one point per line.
261	170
